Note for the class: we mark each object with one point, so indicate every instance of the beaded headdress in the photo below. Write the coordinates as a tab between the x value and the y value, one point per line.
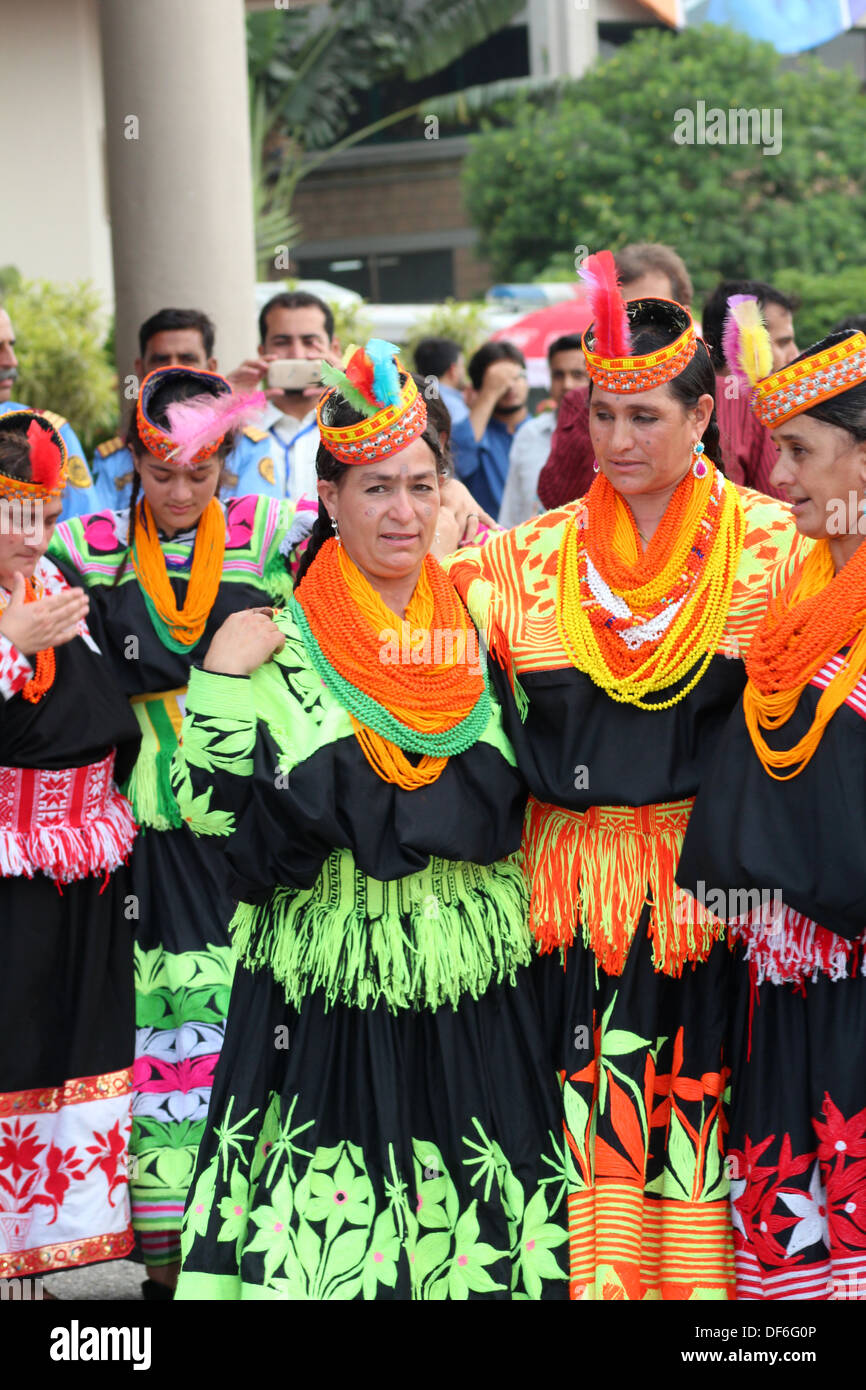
198	425
383	392
804	384
607	343
48	466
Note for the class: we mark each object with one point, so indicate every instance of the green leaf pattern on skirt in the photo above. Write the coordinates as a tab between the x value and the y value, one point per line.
326	1231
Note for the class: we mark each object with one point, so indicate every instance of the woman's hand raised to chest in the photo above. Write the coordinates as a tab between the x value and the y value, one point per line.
48	623
244	642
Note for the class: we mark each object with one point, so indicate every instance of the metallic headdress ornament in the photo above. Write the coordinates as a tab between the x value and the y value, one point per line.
379	387
48	465
798	387
607	342
198	425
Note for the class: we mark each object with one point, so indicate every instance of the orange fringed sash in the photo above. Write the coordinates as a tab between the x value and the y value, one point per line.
595	871
816	615
182	626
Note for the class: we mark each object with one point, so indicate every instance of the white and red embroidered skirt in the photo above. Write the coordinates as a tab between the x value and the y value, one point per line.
67	1029
67	824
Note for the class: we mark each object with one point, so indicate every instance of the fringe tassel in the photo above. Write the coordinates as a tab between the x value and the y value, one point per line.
422	941
149	789
65	853
598	870
792	949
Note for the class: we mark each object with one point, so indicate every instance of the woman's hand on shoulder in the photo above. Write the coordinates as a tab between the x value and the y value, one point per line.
448	534
245	642
457	498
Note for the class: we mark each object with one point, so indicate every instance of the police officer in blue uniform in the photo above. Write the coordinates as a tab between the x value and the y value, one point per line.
78	492
182	338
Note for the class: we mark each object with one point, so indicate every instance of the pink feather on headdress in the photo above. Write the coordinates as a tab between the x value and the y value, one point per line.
610	329
196	423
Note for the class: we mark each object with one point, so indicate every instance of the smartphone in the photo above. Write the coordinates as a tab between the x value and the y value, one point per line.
295	374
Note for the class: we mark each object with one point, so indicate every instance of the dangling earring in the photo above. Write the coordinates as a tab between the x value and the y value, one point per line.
699	467
336	529
595	465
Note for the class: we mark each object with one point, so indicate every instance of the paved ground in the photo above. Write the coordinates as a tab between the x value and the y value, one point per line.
115	1281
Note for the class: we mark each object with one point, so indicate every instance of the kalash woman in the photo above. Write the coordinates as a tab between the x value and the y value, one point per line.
66	999
776	842
162	577
619	620
383	1116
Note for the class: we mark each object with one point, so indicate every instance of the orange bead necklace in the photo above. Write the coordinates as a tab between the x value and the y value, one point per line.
179	629
819	612
415	685
639	622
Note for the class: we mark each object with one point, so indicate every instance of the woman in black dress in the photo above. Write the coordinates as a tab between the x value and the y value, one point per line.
775	847
384	1119
67	736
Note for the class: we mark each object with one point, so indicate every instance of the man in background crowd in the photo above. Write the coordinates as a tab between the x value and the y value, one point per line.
180	338
78	488
532	446
442	359
482	442
294	326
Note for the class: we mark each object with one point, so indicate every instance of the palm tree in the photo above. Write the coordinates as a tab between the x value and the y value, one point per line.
308	65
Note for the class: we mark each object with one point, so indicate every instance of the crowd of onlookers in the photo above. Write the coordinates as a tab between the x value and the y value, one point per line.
515	463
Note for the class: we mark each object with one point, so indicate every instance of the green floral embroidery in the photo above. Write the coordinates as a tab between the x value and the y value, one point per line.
165	1155
184	987
323	1229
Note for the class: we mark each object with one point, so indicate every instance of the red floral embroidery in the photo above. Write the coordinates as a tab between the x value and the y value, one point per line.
767	1202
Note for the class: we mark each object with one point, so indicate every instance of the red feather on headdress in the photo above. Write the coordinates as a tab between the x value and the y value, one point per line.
360	371
45	457
610	331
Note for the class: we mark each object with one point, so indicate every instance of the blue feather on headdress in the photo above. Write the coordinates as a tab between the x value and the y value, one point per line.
386	378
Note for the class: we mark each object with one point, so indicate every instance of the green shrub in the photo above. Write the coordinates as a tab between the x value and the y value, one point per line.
59	336
824	300
598	164
464	322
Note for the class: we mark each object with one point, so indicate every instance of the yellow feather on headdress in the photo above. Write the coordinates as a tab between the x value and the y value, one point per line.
745	340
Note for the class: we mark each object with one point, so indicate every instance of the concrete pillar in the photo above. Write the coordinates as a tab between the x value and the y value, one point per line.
53	213
563	37
178	159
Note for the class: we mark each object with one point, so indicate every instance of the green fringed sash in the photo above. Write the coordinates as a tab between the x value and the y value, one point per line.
149	785
420	941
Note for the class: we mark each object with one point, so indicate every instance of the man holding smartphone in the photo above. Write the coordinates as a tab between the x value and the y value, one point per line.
294	327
